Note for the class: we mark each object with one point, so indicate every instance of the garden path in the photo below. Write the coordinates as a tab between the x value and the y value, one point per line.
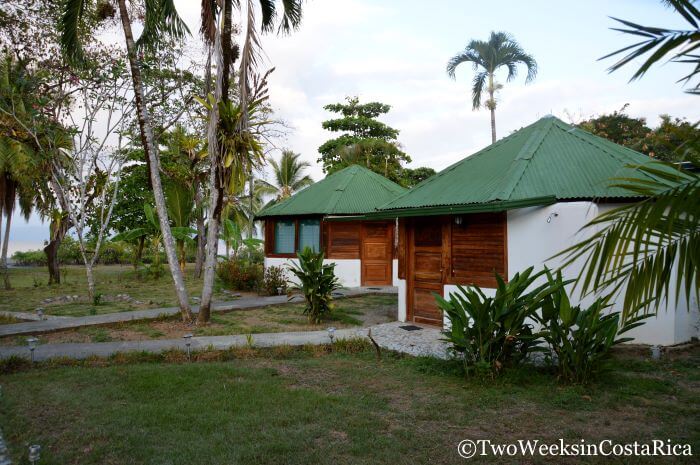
57	324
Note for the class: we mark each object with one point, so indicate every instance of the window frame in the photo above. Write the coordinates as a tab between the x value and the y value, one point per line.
270	236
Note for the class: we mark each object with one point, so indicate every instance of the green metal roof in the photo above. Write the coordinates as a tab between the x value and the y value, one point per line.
537	165
351	191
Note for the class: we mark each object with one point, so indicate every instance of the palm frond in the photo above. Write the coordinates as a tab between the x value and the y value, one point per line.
661	43
161	21
649	250
69	28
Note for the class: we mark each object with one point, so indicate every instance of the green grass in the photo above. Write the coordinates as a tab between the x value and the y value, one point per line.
305	406
30	288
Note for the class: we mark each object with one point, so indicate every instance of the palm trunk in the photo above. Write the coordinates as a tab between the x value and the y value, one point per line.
492	108
5	243
139	252
251	213
149	147
213	218
201	236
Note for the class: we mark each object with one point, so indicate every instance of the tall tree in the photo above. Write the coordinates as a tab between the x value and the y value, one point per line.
233	149
160	21
364	140
288	176
500	51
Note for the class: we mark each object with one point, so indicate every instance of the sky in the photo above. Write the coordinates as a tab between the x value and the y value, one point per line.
395	52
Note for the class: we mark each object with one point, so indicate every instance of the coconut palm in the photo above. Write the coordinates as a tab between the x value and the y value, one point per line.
288	174
161	21
487	57
233	150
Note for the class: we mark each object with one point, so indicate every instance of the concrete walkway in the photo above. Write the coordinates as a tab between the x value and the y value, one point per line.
423	342
36	327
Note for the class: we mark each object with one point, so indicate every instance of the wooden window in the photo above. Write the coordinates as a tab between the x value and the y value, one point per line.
477	249
309	235
343	239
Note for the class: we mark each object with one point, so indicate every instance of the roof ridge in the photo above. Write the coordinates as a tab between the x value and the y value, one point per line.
458	163
524	157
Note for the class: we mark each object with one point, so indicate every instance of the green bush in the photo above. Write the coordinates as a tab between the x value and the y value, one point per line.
240	274
29	258
580	339
275	278
491	333
316	282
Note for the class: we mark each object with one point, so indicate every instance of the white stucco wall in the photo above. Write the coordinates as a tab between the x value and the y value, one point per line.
537	233
349	272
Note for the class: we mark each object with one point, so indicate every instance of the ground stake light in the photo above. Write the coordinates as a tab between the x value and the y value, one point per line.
34	453
32	343
188	342
331	333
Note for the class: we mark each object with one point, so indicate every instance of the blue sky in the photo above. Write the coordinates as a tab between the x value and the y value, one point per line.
396	51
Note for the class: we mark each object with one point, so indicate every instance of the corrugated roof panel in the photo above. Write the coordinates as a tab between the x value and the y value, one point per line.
352	190
546	159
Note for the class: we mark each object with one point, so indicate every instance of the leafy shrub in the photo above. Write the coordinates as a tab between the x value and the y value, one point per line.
491	333
29	258
275	278
580	339
240	275
316	282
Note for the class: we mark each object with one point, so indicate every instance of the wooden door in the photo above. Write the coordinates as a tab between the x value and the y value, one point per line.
425	270
377	253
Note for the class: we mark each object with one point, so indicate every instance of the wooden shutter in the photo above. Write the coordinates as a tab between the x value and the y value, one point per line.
269	226
478	249
401	252
344	239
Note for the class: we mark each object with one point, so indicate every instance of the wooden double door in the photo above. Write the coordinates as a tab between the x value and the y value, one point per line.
425	270
377	252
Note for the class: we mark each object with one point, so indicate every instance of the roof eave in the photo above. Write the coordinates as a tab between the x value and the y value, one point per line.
497	206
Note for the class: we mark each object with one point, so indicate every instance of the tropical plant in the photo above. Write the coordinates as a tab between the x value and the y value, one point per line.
580	339
275	280
179	200
487	57
161	21
679	45
491	333
316	281
288	174
151	232
637	248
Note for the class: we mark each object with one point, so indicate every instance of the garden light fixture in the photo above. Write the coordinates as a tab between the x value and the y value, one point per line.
331	333
32	342
34	453
188	342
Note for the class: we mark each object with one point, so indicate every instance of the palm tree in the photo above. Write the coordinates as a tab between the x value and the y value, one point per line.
641	246
233	150
161	20
288	175
501	50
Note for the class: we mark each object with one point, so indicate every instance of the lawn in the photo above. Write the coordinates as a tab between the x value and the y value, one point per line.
365	310
29	289
306	406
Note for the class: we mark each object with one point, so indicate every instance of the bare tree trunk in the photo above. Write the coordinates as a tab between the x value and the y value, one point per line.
150	148
91	280
492	108
59	229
